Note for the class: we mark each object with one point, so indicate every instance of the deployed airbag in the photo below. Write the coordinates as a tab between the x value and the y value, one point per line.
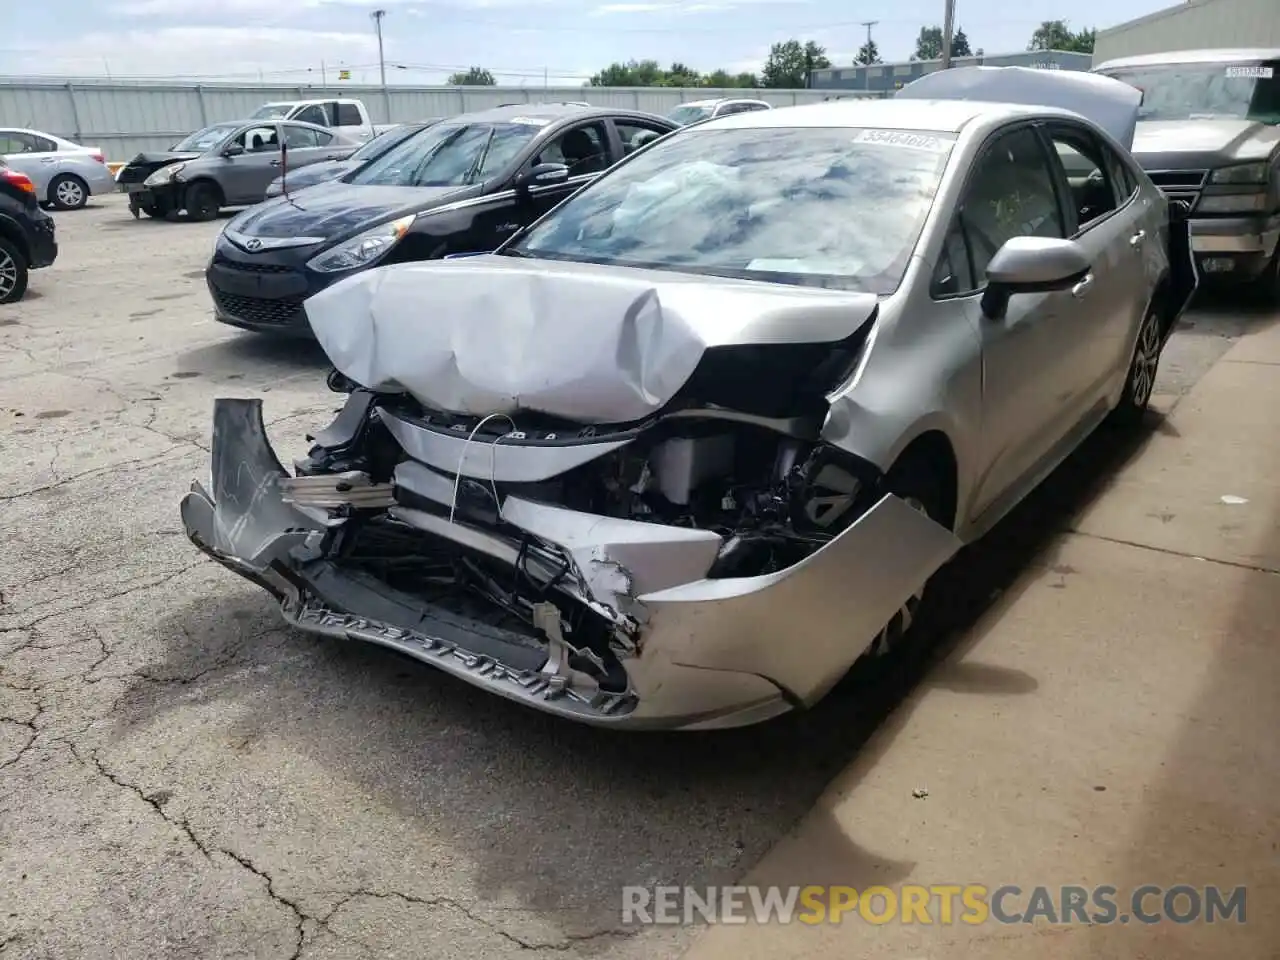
495	335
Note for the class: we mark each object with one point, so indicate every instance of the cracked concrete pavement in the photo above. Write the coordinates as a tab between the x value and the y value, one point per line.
182	775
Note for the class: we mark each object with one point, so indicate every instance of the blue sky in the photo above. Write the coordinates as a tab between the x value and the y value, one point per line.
518	40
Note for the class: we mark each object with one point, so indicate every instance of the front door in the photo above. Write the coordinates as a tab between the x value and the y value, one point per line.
244	178
1035	354
35	156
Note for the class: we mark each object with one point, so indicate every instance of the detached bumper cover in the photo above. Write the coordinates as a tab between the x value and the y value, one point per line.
710	653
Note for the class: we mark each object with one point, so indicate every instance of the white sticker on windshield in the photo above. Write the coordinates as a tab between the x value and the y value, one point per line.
531	121
904	138
1252	73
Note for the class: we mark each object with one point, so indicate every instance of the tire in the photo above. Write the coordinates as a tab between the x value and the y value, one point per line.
13	272
1140	381
68	192
202	202
923	482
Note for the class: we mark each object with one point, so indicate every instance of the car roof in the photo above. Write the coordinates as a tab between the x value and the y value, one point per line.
36	133
537	111
946	116
1235	55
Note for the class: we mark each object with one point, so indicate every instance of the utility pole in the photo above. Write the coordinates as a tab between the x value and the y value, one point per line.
323	76
377	16
948	22
869	24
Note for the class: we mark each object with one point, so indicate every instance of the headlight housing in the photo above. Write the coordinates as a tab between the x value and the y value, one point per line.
1242	174
364	249
164	175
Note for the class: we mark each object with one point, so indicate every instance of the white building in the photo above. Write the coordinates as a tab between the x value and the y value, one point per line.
1194	24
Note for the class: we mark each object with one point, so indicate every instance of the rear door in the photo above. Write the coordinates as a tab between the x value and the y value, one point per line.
1104	219
304	146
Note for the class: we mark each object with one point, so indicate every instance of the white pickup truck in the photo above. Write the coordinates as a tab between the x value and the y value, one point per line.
347	117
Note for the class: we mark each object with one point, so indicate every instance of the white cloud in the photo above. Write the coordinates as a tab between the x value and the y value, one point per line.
227	52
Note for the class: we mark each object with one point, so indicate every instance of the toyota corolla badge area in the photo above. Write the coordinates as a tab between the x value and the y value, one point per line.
461	186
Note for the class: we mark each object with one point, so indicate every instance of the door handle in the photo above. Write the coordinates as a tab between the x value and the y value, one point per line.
48	159
1082	288
1136	240
275	163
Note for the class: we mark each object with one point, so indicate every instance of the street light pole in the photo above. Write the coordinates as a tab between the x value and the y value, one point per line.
948	23
382	63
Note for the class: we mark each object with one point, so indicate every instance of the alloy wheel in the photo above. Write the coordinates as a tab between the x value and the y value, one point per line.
8	274
901	621
70	193
1146	358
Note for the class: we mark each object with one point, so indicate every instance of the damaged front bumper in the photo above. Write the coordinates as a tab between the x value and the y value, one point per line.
695	652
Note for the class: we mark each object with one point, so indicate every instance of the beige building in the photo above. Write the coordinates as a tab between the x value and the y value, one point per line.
1193	24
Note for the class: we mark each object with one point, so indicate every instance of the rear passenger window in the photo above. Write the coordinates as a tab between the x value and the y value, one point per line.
349	115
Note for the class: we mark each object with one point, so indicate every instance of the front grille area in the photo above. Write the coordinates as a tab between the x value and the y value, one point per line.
252	266
1180	186
280	313
135	174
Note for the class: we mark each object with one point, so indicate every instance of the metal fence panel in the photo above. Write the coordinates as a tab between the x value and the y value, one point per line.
125	117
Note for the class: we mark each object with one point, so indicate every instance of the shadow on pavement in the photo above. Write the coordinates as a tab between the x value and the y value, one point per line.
246	351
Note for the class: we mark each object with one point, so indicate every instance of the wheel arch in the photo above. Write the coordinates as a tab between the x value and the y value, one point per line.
932	449
13	233
66	175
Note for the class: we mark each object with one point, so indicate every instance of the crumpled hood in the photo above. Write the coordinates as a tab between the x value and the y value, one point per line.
593	344
333	210
1227	140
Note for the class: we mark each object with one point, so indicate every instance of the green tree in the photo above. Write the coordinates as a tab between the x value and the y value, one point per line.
868	53
1056	35
475	77
633	73
681	76
723	79
790	63
929	44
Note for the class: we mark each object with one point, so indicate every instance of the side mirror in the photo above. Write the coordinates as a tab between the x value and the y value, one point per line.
1032	265
232	150
542	175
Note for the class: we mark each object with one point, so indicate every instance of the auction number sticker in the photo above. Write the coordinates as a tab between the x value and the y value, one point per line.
1250	73
904	138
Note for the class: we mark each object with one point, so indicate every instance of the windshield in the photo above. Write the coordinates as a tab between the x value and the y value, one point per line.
384	141
272	111
838	208
206	139
1206	91
687	114
450	155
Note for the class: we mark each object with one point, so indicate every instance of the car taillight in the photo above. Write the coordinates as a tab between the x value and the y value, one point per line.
19	180
101	158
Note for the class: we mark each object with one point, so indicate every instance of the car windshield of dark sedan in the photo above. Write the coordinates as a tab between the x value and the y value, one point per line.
1206	91
839	208
449	155
687	114
385	141
206	139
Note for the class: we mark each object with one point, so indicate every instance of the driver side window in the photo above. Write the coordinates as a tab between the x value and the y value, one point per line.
582	149
259	140
1010	193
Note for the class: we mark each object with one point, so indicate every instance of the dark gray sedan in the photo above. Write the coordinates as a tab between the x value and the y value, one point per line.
225	165
328	170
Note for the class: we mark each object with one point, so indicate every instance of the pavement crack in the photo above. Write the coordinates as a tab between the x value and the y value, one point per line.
94	601
1254	568
568	943
299	915
148	461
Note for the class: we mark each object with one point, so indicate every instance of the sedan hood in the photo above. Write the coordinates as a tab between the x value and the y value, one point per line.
1205	141
593	344
333	210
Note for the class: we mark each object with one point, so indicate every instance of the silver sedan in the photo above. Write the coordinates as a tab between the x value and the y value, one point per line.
66	174
684	450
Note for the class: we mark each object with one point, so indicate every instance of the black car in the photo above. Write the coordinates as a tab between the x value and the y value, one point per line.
461	186
27	240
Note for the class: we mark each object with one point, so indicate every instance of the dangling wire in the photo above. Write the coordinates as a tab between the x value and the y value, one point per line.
493	462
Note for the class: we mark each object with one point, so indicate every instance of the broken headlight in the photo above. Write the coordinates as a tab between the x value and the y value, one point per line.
164	175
